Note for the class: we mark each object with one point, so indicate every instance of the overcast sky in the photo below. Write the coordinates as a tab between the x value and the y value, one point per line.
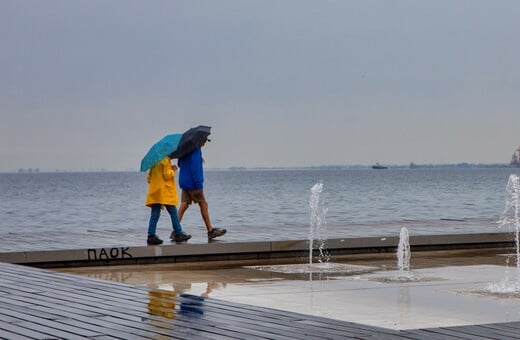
93	84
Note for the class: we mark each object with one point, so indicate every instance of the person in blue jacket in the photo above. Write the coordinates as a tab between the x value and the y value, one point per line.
191	180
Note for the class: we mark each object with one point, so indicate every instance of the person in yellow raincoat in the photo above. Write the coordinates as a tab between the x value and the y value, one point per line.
162	192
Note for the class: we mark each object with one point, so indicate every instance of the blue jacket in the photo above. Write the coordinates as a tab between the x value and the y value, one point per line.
191	176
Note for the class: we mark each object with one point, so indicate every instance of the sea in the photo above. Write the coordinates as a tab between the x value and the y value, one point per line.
246	199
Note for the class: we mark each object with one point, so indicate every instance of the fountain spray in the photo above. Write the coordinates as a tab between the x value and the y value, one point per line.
403	254
511	218
317	228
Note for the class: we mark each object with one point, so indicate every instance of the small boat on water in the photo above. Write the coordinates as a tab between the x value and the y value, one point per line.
379	166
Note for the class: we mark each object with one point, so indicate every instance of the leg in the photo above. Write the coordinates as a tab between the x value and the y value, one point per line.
177	228
182	209
204	212
212	232
185	203
154	218
197	196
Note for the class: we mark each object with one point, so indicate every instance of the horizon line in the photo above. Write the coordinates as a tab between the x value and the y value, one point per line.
239	168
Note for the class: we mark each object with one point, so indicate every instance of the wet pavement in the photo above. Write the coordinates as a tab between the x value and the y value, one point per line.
41	304
446	288
449	288
14	241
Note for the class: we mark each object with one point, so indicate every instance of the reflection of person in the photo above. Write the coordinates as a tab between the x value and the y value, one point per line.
162	191
213	285
162	303
191	181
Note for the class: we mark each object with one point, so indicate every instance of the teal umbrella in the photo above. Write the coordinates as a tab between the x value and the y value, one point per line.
160	150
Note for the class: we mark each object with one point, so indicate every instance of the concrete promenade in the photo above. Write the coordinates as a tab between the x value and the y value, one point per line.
133	236
104	247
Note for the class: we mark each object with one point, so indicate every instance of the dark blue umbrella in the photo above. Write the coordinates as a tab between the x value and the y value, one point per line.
191	140
160	150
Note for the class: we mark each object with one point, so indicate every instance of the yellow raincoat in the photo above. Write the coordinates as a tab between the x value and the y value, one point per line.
162	188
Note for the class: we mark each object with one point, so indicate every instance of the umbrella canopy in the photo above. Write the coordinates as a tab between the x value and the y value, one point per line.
191	140
160	150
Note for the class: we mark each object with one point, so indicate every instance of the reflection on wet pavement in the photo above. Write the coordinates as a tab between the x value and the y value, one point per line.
171	305
162	303
361	289
192	304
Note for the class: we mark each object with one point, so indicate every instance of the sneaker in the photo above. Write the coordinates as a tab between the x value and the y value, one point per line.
181	238
216	232
153	240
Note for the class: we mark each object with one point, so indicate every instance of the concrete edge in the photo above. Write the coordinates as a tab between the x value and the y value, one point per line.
248	250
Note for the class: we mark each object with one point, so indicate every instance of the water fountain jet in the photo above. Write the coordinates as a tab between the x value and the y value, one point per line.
403	255
317	225
511	218
317	235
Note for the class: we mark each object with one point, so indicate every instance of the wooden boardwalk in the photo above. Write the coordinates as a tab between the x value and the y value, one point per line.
41	304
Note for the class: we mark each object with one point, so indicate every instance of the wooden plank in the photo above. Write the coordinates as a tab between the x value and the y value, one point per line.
430	335
448	331
199	322
58	327
344	326
100	308
269	325
134	329
510	328
92	289
50	307
501	332
28	315
56	332
479	331
34	321
15	331
60	310
253	324
287	330
5	306
86	324
76	285
186	319
265	319
9	335
379	336
95	292
22	316
174	331
285	316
